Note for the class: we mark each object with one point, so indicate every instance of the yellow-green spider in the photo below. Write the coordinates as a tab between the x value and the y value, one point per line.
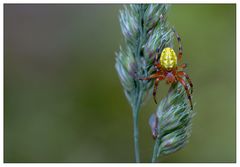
166	68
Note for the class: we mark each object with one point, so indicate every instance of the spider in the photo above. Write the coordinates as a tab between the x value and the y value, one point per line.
167	68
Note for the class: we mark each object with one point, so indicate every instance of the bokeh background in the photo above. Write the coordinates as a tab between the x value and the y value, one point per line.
63	101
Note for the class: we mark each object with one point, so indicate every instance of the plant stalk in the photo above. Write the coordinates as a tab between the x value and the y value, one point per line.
136	109
135	131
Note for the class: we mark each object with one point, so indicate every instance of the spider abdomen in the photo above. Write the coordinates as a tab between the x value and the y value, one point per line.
168	59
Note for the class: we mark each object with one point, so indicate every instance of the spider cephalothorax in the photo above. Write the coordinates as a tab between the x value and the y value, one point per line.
166	68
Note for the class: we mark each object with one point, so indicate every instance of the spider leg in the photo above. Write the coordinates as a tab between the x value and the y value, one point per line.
156	64
186	89
154	24
151	76
157	54
156	58
149	31
182	66
181	73
157	67
180	52
156	86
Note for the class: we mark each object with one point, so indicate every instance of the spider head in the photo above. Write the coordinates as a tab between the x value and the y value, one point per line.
168	59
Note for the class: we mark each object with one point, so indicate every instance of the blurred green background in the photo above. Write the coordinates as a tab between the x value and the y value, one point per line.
63	101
